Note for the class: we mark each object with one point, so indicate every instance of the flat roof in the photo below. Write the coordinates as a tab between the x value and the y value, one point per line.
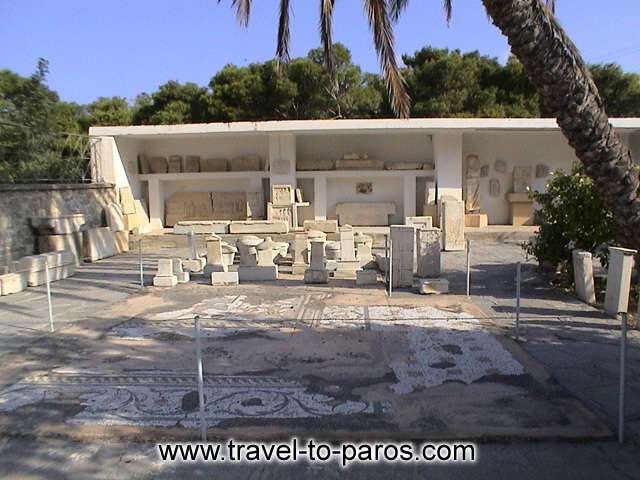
336	126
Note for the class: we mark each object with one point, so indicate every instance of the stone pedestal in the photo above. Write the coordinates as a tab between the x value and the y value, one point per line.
402	255
164	276
428	252
583	276
521	209
621	262
257	274
215	261
317	272
347	245
300	254
452	225
225	278
181	275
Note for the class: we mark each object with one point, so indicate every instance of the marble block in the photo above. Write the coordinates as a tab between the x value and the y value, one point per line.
428	252
225	278
432	286
12	283
282	195
452	225
366	277
351	266
60	225
72	242
215	261
403	165
258	226
365	214
402	255
131	221
229	206
36	263
202	227
257	274
99	243
326	226
317	256
165	267
621	261
583	276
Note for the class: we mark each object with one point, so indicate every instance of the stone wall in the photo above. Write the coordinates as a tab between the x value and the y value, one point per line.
18	203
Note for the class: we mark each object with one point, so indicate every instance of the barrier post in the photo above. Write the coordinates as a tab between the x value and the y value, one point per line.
48	282
140	262
468	267
203	421
623	362
518	279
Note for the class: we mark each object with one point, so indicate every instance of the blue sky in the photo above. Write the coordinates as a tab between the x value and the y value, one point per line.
124	47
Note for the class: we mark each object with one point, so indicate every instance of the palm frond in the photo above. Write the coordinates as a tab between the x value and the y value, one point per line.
383	39
243	11
448	9
552	5
326	36
284	35
396	7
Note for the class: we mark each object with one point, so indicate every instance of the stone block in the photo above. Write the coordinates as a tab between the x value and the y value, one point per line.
314	164
428	252
174	164
316	276
35	278
194	265
402	255
300	254
165	281
115	217
181	275
188	206
213	165
521	213
165	267
425	221
228	206
365	214
347	265
403	165
258	226
122	241
359	164
71	242
35	263
621	261
583	276
452	225
60	225
347	245
127	202
143	164
476	220
282	195
225	278
158	165
326	226
258	274
99	243
202	227
246	163
131	221
366	277
144	224
317	256
432	286
191	164
12	283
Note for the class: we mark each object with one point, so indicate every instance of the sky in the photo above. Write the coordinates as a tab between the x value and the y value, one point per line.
125	47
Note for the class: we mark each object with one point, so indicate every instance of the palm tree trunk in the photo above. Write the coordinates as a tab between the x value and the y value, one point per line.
563	81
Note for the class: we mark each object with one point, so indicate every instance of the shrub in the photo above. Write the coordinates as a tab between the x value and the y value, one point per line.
571	215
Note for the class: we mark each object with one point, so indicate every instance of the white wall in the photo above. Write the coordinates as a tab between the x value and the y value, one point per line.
517	149
340	190
390	147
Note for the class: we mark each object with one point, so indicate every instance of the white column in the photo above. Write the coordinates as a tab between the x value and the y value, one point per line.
282	159
447	152
409	202
156	204
320	198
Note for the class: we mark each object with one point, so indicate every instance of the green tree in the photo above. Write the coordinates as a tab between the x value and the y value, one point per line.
109	111
620	90
172	103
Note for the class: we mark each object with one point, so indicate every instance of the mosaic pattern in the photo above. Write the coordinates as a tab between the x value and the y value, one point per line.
169	399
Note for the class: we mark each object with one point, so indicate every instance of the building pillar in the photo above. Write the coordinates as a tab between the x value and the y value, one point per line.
409	201
282	159
447	152
320	198
156	204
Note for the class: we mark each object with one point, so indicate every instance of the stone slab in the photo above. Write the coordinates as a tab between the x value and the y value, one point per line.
402	255
183	277
99	243
258	274
59	225
583	276
521	213
12	283
202	227
347	265
36	263
165	281
213	165
359	164
174	164
36	278
228	206
428	252
158	165
365	214
131	221
115	217
476	220
127	202
72	242
403	165
452	225
326	226
245	163
314	164
282	195
258	226
188	206
225	278
122	241
191	164
144	224
432	286
316	276
366	277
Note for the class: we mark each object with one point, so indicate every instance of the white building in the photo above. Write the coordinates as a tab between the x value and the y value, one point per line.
411	163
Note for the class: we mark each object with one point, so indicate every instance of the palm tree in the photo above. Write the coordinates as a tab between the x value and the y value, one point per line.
552	63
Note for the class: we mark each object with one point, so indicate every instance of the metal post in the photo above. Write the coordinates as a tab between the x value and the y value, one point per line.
390	266
48	281
518	279
203	421
468	267
623	361
386	256
140	262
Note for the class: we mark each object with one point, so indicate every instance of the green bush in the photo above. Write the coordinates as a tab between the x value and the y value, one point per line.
571	215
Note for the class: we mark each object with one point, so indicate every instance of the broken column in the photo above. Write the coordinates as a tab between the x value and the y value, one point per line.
164	276
348	261
621	262
317	272
452	225
299	254
249	269
583	276
402	254
215	262
181	275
